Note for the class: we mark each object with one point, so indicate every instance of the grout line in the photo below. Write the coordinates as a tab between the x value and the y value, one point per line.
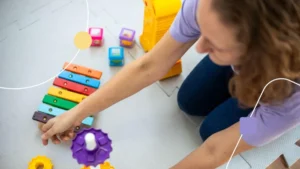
174	90
157	83
93	13
60	7
116	22
8	24
40	7
131	55
3	39
29	24
245	160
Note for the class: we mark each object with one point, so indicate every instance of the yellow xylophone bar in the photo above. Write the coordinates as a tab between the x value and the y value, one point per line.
65	94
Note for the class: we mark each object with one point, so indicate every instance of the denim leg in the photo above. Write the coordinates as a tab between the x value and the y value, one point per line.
205	88
222	117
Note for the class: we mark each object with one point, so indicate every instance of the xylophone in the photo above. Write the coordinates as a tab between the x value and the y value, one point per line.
72	85
90	147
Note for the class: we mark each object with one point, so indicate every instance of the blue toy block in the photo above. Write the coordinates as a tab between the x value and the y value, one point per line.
116	56
77	78
54	111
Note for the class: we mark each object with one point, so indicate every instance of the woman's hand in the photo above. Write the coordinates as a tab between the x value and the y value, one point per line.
60	128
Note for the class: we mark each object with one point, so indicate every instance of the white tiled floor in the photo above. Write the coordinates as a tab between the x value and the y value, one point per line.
148	130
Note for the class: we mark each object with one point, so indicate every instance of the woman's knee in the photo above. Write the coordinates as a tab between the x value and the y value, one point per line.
206	130
183	102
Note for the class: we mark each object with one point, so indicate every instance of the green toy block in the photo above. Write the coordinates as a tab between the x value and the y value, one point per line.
59	102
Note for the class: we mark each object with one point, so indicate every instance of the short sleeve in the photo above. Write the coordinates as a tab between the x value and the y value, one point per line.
184	27
269	122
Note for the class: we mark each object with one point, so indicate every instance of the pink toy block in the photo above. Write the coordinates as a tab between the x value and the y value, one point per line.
97	36
127	37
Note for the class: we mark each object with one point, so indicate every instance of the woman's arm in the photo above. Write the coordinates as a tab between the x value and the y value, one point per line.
216	150
135	76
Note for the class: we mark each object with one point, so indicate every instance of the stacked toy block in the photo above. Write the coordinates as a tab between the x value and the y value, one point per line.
116	53
97	36
73	84
127	37
174	71
158	17
116	56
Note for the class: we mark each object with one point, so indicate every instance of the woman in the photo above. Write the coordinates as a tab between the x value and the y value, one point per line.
250	43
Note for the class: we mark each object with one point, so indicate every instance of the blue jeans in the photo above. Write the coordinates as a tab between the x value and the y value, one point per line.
205	93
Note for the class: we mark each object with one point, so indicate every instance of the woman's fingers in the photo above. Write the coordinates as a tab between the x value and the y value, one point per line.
48	125
71	134
45	142
64	136
55	139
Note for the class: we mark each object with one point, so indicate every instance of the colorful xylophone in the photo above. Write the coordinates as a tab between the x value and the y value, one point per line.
72	85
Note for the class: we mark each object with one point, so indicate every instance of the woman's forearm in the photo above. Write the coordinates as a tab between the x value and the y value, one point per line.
201	158
216	150
131	79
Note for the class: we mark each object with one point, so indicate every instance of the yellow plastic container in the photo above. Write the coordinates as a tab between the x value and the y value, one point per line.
175	70
158	17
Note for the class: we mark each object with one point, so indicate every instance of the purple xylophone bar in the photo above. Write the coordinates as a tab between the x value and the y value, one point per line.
44	118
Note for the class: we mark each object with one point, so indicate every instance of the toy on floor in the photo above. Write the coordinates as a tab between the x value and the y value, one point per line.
40	162
105	165
158	17
116	56
82	70
44	118
69	88
174	71
127	37
91	147
97	36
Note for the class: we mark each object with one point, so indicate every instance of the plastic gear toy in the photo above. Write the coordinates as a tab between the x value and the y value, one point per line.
91	147
40	162
106	165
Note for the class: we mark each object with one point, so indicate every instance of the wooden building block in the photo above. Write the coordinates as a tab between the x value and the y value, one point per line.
296	165
82	70
58	102
67	95
54	111
72	86
279	163
77	78
298	143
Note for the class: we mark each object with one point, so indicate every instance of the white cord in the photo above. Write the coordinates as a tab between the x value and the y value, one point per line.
254	110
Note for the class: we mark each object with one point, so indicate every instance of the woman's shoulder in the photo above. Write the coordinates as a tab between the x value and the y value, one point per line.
272	120
185	26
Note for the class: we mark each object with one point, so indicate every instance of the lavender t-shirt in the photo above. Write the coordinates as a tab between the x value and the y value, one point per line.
268	122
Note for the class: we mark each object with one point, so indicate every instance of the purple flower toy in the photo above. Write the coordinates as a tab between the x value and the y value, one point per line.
91	147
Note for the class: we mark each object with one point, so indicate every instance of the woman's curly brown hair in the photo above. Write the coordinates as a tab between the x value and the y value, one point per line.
270	30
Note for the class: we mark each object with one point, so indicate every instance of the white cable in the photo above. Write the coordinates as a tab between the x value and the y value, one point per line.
254	110
74	57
